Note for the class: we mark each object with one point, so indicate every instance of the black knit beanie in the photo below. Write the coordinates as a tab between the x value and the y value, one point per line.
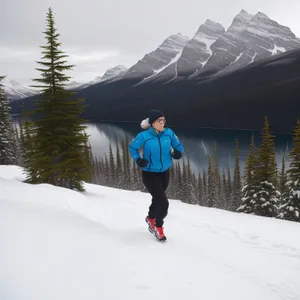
154	114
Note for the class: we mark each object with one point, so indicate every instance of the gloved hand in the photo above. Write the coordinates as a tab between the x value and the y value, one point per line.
176	154
142	162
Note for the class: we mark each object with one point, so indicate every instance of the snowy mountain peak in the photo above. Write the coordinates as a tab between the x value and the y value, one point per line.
174	43
240	22
15	90
194	53
156	61
115	71
248	39
261	15
212	24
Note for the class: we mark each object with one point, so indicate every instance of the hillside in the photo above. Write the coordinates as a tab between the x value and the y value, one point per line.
239	99
60	244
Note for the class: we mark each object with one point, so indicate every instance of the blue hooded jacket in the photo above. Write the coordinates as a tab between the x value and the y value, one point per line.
156	148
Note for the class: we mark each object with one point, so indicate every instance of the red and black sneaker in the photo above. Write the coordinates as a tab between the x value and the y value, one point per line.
159	234
150	222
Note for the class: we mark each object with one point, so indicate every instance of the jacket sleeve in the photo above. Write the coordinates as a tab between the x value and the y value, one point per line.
175	142
135	146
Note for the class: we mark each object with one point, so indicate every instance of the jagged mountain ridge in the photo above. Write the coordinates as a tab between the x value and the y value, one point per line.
249	38
256	37
194	54
211	51
159	59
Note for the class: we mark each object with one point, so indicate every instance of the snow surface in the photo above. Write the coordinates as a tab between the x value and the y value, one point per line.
61	244
174	60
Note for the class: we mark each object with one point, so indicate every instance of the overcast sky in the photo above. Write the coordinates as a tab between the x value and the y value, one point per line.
99	34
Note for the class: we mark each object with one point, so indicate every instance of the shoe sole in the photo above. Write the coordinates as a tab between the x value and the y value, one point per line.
164	239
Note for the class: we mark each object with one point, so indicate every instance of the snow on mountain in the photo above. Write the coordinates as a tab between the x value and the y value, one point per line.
73	85
62	244
198	50
227	47
213	50
248	39
15	90
194	54
155	61
114	72
264	37
110	75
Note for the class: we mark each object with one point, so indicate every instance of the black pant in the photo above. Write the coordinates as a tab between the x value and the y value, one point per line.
156	184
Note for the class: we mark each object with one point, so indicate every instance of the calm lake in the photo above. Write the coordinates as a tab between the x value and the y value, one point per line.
198	142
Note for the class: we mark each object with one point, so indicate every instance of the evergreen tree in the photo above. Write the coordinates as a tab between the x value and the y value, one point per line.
126	164
250	186
171	191
119	169
28	155
217	179
237	184
18	147
266	197
229	190
111	168
211	184
59	154
179	186
290	209
200	190
106	172
7	134
204	187
224	192
185	187
283	178
190	184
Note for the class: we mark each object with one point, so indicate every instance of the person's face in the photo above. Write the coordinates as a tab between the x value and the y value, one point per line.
159	124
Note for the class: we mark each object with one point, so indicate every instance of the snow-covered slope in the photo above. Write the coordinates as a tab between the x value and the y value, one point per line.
198	49
229	46
73	85
110	75
60	244
114	72
195	53
157	60
14	90
264	37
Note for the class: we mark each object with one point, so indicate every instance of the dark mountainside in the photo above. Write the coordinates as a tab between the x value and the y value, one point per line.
219	78
234	100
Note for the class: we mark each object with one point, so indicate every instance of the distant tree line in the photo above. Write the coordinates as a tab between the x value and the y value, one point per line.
54	149
264	189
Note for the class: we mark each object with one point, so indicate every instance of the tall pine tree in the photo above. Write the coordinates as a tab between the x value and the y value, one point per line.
283	178
266	195
237	184
290	209
7	133
59	155
249	186
211	184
